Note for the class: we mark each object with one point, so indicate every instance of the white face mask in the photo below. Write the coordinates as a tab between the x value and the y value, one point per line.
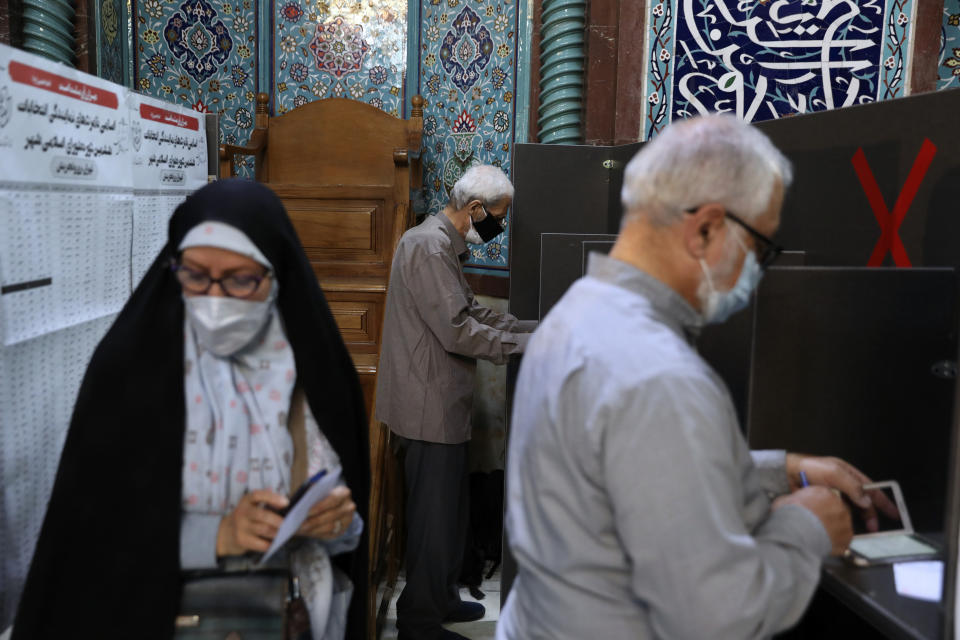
473	236
717	306
226	325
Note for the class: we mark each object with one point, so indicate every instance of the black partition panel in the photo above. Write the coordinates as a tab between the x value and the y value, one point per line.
952	529
563	259
559	189
860	363
726	346
904	151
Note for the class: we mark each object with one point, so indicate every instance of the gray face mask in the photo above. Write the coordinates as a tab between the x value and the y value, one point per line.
227	325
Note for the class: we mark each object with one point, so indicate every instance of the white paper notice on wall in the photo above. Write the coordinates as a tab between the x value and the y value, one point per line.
169	145
61	126
64	258
41	378
90	174
169	162
151	216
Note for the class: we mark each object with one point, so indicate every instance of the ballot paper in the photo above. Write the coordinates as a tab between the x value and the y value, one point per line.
890	546
299	512
921	580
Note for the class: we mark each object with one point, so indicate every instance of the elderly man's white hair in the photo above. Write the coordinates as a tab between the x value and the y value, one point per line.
483	182
713	158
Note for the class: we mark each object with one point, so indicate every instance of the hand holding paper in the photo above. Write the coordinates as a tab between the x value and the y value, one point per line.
301	509
329	518
252	524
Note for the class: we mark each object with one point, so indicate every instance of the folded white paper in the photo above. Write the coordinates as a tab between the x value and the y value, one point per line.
299	512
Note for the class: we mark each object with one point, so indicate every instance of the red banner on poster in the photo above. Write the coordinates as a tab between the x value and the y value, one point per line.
156	114
25	74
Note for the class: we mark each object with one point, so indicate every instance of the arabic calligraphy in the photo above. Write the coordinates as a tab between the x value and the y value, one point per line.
173	177
156	114
764	61
73	168
55	112
69	146
161	160
77	91
769	59
161	138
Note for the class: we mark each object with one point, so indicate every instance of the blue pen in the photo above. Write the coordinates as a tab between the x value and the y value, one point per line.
302	490
803	479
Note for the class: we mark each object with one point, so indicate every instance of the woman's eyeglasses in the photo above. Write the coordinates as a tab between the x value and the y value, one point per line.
766	249
235	285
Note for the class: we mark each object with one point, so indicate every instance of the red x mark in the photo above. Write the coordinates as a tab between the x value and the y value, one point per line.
890	221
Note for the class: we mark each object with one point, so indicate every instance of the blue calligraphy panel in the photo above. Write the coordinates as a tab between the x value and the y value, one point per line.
769	59
778	57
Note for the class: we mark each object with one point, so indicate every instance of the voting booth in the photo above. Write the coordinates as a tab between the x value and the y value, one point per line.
860	363
89	176
849	349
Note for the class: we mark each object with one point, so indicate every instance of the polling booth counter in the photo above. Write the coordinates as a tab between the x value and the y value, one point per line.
850	345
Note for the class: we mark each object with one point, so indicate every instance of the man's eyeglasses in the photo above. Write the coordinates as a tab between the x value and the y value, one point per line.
237	285
767	250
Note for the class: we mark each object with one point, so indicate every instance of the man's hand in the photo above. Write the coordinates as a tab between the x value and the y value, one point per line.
330	517
829	507
251	526
844	477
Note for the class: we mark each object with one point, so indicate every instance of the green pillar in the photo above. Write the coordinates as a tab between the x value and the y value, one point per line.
561	71
48	29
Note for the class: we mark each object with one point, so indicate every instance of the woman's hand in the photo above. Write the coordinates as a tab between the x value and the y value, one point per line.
251	526
330	517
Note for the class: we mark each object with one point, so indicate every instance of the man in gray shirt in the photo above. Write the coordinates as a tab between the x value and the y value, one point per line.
433	332
635	509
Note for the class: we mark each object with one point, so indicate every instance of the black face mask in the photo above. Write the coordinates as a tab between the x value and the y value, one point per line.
488	228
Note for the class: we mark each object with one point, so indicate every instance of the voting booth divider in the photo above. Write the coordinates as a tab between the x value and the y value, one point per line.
850	349
90	173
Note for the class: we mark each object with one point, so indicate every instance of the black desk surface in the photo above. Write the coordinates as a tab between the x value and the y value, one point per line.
871	593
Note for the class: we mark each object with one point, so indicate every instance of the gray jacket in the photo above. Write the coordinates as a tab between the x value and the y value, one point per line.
433	331
634	508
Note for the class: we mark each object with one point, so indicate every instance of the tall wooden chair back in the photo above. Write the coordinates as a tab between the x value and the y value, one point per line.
344	170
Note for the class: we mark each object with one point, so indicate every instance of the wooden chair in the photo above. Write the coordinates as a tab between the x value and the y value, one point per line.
344	170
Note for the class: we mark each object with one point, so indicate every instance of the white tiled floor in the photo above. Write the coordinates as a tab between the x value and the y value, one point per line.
483	629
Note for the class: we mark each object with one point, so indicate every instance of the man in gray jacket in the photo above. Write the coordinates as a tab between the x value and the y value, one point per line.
433	332
634	507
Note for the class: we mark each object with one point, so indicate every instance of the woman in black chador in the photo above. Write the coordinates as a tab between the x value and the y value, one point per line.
222	384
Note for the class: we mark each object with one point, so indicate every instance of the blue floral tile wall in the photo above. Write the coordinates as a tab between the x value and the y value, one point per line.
200	53
468	63
950	46
339	49
763	60
110	44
